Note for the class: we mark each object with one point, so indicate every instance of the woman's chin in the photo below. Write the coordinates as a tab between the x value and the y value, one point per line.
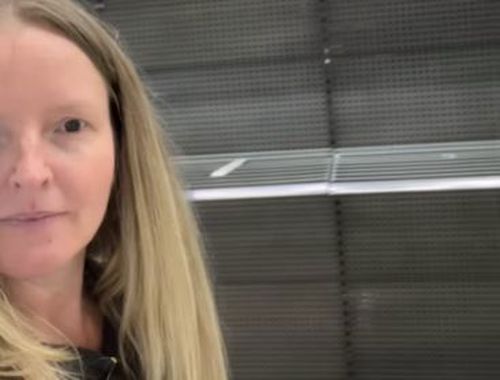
36	264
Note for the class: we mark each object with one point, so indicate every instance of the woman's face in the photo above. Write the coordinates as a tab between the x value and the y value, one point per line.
56	151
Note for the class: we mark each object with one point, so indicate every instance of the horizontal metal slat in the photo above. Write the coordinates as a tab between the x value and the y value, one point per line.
323	172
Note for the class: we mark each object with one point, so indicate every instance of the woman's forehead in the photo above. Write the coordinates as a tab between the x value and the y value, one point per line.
39	66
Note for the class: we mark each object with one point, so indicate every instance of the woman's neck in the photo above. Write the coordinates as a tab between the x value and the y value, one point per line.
58	308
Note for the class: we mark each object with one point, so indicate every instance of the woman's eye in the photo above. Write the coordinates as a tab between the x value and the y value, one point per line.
73	125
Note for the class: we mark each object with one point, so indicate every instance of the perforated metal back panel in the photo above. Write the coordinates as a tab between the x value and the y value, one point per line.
422	274
193	32
244	107
414	71
279	298
366	287
231	75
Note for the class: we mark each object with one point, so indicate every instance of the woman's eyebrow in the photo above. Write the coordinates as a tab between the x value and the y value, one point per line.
81	105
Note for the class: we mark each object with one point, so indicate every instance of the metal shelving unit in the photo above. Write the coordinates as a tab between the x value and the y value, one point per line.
344	160
345	171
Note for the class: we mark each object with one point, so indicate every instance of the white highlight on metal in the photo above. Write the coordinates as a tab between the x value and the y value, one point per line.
227	169
449	156
346	188
255	192
421	185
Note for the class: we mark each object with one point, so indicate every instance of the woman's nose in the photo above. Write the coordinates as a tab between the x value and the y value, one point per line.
29	168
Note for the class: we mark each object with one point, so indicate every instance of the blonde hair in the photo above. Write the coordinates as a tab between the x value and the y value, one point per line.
154	286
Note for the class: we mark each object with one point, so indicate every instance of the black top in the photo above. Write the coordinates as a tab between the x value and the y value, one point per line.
99	365
104	364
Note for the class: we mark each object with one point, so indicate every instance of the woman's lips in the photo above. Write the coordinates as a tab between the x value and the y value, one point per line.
30	218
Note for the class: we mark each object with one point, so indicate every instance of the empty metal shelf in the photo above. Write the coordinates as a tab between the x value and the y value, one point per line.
367	170
416	168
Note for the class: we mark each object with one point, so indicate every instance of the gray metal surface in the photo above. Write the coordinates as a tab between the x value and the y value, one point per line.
386	99
423	283
347	263
230	76
258	168
244	106
398	26
368	170
283	332
270	241
414	71
163	34
415	168
277	286
417	162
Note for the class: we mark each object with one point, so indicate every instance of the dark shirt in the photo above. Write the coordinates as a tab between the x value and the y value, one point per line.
99	365
104	364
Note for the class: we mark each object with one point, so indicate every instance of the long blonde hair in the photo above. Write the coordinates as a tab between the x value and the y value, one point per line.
154	287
